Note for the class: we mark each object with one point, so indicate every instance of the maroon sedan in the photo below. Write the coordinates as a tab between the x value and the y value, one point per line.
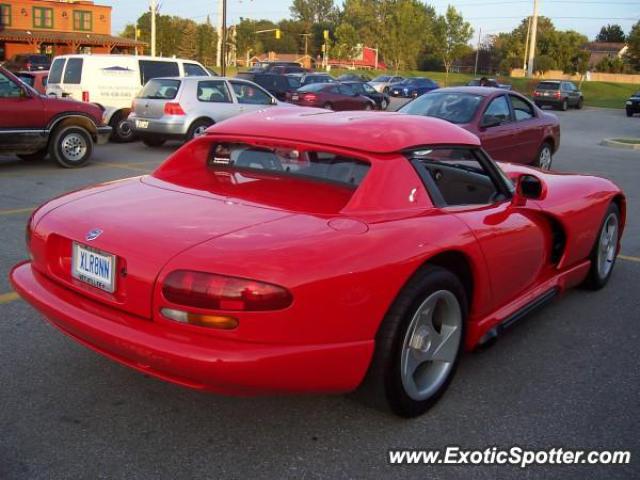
332	96
510	127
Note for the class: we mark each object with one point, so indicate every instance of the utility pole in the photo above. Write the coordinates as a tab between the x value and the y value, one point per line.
532	43
223	67
475	70
154	7
219	30
526	45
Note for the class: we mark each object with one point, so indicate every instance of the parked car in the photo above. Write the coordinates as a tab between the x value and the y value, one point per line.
363	88
29	62
331	96
352	77
632	105
509	126
36	79
183	108
309	78
412	87
112	81
277	85
34	125
289	252
558	94
382	83
279	66
488	82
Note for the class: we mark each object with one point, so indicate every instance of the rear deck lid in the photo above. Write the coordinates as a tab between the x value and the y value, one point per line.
151	101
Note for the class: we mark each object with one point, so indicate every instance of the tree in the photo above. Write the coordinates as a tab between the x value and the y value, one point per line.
312	11
633	41
578	65
188	46
451	37
346	42
564	46
611	34
207	43
544	63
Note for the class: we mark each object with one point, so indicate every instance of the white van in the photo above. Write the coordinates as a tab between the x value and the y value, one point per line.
112	81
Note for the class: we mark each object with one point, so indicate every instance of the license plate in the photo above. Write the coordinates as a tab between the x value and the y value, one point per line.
93	267
142	124
295	97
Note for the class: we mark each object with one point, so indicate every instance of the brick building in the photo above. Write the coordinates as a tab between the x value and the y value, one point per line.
57	27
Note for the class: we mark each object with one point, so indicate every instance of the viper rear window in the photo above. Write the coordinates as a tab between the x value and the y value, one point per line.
303	164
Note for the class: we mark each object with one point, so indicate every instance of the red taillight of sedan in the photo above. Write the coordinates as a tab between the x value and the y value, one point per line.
218	292
309	97
172	108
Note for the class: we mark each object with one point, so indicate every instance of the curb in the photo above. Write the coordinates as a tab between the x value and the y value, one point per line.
610	142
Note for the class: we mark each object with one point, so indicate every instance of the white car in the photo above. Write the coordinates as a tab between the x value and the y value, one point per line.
112	81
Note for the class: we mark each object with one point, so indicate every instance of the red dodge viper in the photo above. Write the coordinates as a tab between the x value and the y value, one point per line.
313	251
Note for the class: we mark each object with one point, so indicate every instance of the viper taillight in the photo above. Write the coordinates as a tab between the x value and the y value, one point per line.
219	292
173	108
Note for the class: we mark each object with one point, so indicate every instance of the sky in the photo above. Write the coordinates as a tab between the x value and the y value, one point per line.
491	16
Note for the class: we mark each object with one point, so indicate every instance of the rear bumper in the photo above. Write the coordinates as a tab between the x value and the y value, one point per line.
160	128
198	361
103	134
554	102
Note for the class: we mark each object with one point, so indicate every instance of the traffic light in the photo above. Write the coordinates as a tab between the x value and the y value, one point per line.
278	34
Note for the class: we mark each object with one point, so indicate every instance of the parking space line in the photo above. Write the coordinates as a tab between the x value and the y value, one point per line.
9	297
16	211
629	258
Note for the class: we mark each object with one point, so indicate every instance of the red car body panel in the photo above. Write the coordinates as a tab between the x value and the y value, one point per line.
39	79
344	258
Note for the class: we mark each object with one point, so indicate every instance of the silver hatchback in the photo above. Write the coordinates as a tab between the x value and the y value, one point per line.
182	108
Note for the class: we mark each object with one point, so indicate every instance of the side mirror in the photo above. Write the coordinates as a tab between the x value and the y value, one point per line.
24	93
489	121
529	187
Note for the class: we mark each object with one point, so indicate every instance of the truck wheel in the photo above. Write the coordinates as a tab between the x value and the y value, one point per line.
71	146
565	105
122	130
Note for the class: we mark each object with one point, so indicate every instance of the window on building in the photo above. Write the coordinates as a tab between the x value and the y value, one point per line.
82	20
5	15
42	17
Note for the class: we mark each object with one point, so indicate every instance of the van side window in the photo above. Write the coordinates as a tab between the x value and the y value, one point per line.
153	69
55	74
193	70
73	72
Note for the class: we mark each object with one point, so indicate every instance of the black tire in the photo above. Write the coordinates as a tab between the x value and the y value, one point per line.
596	279
580	103
327	106
71	146
34	157
384	104
383	385
197	127
565	105
538	161
153	142
122	130
629	113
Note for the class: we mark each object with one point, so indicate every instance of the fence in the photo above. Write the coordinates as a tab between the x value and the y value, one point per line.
590	76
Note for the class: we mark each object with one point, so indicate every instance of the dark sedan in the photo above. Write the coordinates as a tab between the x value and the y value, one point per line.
412	87
28	62
332	96
352	77
363	88
510	127
633	104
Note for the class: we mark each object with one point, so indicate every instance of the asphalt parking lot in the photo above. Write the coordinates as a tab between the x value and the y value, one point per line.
566	377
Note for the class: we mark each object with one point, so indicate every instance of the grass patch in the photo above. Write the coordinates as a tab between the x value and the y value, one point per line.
630	141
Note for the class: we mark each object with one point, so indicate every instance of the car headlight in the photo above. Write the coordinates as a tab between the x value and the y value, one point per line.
406	91
629	102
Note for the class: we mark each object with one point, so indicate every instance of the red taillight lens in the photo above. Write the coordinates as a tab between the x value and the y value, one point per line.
85	96
219	292
536	94
310	97
557	94
171	108
28	66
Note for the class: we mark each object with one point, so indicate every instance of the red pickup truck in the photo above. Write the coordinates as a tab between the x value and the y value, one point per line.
33	125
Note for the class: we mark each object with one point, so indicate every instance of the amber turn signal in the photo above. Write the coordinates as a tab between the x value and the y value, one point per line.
210	321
